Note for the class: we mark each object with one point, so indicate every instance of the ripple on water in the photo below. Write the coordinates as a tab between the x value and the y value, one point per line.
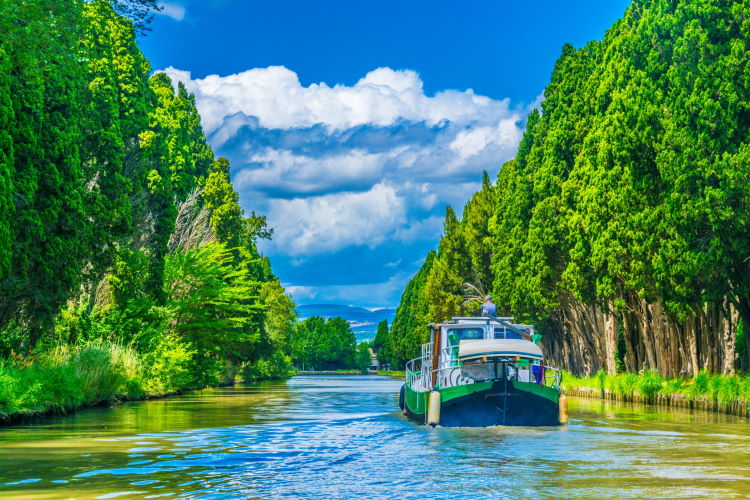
339	437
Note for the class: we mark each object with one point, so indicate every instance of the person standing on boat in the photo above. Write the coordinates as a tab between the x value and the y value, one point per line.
488	308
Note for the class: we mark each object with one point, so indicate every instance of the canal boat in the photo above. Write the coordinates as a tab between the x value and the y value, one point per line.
482	371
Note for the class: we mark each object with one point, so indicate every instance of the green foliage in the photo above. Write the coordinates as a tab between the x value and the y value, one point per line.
223	202
601	379
13	340
444	283
209	300
381	336
322	344
717	388
280	317
363	359
169	367
409	330
630	186
177	158
277	366
96	157
41	102
77	324
67	378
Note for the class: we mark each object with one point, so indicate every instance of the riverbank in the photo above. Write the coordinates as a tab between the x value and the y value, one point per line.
100	373
389	373
301	439
705	391
333	372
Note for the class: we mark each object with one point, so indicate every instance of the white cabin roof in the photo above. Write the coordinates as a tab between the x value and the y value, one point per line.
494	348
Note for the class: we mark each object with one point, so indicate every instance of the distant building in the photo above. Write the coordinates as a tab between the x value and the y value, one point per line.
374	364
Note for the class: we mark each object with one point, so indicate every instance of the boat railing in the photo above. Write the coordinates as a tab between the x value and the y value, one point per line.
419	370
420	374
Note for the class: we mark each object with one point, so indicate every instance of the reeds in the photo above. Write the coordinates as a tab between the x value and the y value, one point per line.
67	378
712	391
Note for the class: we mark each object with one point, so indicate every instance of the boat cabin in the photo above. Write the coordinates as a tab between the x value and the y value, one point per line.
479	371
472	349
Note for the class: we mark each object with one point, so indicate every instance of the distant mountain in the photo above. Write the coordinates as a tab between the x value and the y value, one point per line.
364	322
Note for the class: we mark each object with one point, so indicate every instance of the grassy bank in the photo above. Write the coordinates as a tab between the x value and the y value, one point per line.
392	373
705	390
333	372
68	378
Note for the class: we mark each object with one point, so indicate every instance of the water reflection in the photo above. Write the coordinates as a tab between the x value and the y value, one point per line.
339	437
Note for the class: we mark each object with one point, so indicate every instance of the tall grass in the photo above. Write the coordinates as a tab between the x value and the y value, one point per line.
67	378
722	389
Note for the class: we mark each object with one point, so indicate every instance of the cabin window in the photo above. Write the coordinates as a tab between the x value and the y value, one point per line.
506	333
455	335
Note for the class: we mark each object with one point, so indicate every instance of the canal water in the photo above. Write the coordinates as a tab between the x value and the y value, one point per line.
344	437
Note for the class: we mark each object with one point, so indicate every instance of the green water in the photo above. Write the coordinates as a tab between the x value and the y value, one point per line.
343	437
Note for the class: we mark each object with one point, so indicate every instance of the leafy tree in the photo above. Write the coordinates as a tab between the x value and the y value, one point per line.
223	201
363	359
324	344
46	229
409	330
444	286
381	336
115	113
210	299
620	226
6	162
95	159
140	12
175	150
280	316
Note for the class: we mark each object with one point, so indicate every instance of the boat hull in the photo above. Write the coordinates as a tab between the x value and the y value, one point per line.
489	403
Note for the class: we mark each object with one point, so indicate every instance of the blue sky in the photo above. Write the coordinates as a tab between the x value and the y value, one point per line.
352	124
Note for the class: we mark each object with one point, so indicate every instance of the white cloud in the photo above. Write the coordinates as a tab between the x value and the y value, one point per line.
300	292
277	98
370	293
337	166
417	229
173	10
303	174
331	222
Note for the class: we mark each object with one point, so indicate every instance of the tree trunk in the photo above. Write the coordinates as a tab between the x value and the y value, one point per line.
610	339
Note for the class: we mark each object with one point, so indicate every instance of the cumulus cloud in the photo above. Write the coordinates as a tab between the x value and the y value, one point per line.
384	96
337	167
331	222
379	294
173	10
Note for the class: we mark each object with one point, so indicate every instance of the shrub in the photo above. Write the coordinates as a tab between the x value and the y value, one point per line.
67	378
277	366
169	367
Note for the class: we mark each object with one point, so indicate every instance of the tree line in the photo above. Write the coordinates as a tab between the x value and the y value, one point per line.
328	344
622	226
117	223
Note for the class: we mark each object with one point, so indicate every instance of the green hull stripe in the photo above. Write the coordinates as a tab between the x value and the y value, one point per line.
417	401
463	390
540	390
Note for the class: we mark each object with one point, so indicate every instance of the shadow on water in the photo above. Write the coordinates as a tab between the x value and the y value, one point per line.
341	437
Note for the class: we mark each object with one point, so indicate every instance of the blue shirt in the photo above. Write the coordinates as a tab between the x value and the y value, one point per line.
489	309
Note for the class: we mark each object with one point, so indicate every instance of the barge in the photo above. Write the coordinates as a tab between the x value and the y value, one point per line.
482	371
